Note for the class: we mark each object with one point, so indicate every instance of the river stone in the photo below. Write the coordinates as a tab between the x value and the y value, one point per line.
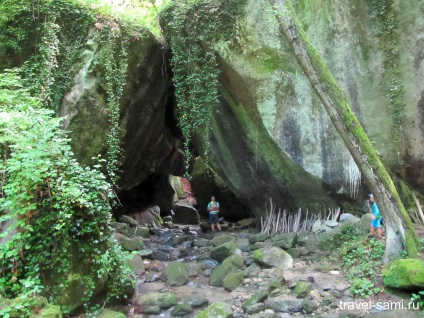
199	302
156	266
128	220
108	313
260	237
302	289
267	314
181	310
159	256
194	269
309	306
216	310
231	264
142	231
167	218
273	257
119	226
405	274
53	311
233	280
252	271
201	242
209	263
243	244
185	213
151	310
257	297
136	264
331	223
284	241
295	252
176	274
178	239
348	218
221	252
281	304
256	246
128	231
152	277
179	252
133	244
221	239
207	272
255	308
167	300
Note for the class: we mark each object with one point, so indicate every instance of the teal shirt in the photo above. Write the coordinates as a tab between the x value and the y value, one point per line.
213	204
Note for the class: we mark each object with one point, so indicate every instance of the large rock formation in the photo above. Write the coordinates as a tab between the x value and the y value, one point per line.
148	145
271	136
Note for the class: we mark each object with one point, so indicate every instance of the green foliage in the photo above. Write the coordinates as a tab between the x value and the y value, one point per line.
60	210
361	259
115	61
192	28
418	299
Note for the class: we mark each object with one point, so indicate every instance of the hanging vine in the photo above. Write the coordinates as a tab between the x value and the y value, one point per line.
192	28
115	61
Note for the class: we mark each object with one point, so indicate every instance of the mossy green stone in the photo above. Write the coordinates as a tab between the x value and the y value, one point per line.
231	264
233	280
258	255
221	239
108	313
221	252
257	297
167	300
405	274
176	274
302	289
216	310
53	311
181	310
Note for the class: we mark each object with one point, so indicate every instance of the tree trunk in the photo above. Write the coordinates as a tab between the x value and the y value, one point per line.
400	231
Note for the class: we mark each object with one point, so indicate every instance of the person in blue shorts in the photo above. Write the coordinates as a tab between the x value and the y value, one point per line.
376	218
213	209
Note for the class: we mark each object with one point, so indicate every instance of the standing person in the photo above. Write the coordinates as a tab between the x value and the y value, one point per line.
213	209
376	218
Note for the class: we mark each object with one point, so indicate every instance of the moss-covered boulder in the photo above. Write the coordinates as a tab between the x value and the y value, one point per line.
221	239
216	310
181	310
133	244
285	241
230	265
176	274
108	313
233	280
136	264
405	274
257	297
273	257
302	289
53	311
162	300
221	252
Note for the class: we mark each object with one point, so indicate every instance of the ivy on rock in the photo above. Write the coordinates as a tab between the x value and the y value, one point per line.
58	211
192	27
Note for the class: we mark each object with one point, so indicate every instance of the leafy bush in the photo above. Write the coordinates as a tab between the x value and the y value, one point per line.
361	259
59	210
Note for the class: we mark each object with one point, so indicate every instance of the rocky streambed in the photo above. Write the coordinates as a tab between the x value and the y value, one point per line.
184	272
